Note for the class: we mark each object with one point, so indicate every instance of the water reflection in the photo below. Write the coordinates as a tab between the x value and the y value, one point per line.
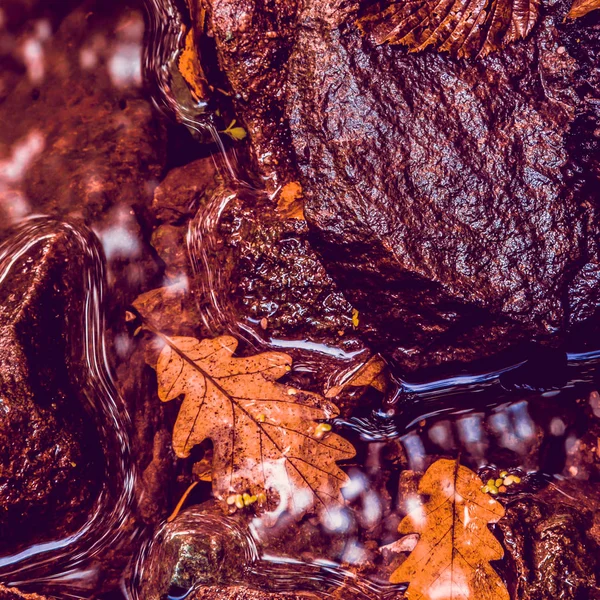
70	561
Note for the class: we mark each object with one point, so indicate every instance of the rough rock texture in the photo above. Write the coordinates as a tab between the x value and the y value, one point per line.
49	450
15	594
447	197
276	275
551	553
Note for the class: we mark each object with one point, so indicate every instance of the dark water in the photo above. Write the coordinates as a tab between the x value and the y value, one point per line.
529	415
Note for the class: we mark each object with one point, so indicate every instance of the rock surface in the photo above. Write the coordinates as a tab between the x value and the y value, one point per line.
551	552
49	448
447	197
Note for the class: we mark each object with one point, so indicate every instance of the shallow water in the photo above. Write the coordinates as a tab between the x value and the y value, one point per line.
508	417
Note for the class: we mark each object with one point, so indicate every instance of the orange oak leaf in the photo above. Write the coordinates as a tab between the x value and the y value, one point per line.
451	560
464	28
580	8
266	436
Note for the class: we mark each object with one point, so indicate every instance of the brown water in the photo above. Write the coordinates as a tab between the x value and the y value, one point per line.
528	416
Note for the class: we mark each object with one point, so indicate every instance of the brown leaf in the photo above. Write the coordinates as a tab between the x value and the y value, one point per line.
265	435
451	561
580	8
191	70
464	28
290	204
371	373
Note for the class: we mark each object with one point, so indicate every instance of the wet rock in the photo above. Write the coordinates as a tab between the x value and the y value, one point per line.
551	553
238	593
277	276
15	594
179	194
50	452
446	197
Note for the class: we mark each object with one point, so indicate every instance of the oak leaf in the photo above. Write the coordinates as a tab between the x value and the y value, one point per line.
580	8
451	560
266	436
370	373
464	28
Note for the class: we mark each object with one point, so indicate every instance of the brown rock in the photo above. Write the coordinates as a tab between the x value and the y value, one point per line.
49	447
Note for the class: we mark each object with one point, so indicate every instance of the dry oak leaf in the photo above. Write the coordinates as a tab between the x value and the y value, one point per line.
580	8
464	28
451	560
266	435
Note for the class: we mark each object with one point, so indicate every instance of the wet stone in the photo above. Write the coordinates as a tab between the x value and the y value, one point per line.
450	200
550	551
49	449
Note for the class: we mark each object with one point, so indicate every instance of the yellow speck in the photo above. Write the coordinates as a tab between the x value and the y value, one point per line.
494	491
502	489
261	418
490	482
321	429
264	322
516	479
73	464
291	392
261	497
485	489
503	473
248	499
508	480
355	317
498	482
230	500
239	501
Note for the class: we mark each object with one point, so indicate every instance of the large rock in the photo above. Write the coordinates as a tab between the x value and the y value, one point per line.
453	201
50	454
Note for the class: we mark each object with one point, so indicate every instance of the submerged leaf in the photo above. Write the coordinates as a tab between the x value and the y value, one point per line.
580	8
266	435
290	204
464	28
370	373
451	561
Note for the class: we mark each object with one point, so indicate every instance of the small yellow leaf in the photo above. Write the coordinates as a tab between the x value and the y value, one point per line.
452	558
237	133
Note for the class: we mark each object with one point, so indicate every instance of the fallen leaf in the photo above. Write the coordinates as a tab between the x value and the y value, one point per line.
290	204
464	28
191	70
371	373
236	133
580	8
451	561
266	436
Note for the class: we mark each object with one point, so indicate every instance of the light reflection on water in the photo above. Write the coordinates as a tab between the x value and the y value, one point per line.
67	561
